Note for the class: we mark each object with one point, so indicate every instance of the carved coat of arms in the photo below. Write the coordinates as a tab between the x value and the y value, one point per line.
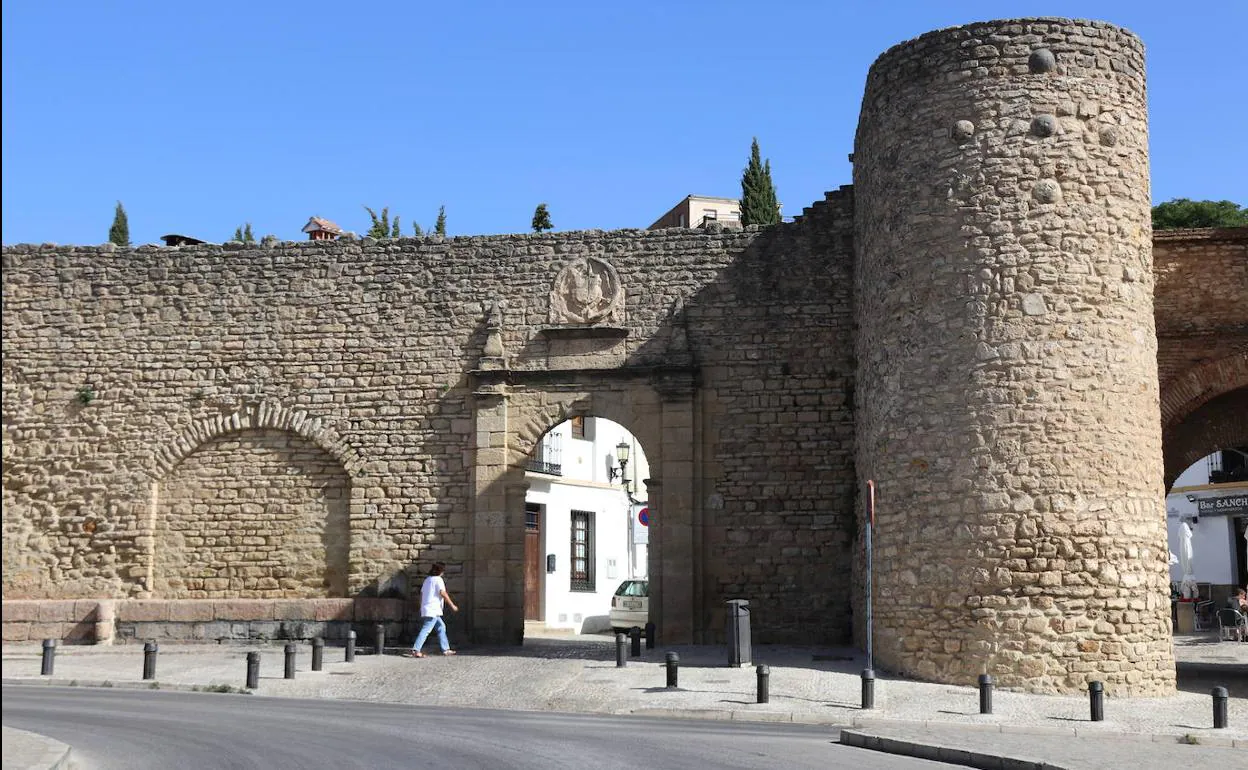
587	291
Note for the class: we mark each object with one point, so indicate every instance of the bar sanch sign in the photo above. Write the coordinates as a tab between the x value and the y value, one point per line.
1231	505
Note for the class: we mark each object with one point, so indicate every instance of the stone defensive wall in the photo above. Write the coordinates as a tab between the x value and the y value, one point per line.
1007	374
972	327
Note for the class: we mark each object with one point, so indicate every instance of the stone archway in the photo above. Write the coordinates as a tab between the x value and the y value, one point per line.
512	412
1218	423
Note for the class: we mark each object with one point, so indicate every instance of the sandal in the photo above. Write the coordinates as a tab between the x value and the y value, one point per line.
413	654
448	652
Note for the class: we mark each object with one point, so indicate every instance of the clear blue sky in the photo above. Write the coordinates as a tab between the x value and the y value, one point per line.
201	116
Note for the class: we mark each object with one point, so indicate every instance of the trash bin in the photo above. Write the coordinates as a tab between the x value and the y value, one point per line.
738	632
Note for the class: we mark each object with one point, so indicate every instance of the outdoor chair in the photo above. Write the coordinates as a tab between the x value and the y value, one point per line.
1232	625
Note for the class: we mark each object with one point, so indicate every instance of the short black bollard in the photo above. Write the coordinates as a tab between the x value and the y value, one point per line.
634	636
673	669
318	653
620	660
868	688
379	633
985	693
49	657
290	661
1096	695
764	683
649	636
149	660
350	658
253	670
1219	707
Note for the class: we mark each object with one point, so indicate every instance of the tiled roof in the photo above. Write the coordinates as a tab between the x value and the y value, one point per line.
317	223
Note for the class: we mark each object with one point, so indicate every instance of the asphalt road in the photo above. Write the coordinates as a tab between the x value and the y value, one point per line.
151	729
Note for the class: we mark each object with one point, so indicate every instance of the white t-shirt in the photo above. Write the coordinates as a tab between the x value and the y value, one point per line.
431	596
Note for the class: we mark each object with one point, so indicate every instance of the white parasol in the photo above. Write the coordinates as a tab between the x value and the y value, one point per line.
1187	585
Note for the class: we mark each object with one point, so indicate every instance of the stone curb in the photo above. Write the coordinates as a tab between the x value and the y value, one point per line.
947	754
38	752
107	684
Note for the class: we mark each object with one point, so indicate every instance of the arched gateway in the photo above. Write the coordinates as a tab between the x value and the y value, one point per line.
971	326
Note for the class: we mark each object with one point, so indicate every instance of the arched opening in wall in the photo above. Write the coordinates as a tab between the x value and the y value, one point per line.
1207	500
586	546
252	514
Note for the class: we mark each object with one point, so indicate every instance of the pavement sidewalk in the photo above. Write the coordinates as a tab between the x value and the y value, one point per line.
579	674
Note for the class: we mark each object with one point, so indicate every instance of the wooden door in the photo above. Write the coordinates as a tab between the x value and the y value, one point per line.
532	562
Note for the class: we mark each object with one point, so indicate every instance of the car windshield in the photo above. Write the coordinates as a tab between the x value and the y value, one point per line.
633	588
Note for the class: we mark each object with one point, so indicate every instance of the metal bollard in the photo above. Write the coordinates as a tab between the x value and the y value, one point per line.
620	661
290	661
379	633
1096	694
1219	707
350	658
650	636
985	693
149	660
868	688
634	636
253	670
764	683
318	653
673	668
49	657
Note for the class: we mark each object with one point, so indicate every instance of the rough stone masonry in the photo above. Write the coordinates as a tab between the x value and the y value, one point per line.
971	326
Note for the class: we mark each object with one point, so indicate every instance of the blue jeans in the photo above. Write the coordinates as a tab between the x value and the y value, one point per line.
431	624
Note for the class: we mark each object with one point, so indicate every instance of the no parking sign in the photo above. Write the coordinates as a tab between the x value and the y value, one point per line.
643	516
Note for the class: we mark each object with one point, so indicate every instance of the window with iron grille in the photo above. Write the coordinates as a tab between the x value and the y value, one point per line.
582	551
532	517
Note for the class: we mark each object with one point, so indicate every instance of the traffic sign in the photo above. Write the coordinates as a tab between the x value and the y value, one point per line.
643	516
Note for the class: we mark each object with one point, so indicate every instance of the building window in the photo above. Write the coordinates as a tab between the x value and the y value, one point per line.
582	551
548	456
578	427
532	517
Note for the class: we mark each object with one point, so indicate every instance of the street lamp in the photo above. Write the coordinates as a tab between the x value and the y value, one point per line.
621	455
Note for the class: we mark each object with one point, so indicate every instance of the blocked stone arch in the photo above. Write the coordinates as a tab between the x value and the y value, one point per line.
656	407
252	504
1196	387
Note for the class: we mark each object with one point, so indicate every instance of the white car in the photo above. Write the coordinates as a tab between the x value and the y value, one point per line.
630	606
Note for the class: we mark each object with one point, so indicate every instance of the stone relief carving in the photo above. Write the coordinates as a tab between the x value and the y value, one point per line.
587	291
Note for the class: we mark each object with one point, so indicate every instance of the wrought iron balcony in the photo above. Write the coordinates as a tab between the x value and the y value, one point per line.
541	466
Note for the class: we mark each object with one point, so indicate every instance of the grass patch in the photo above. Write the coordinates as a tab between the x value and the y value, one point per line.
1189	739
106	683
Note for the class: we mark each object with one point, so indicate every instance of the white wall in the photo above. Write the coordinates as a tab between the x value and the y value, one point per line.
585	485
1213	537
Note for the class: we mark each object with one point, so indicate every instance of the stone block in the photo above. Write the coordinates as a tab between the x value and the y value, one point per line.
188	610
294	609
378	609
27	611
56	611
333	609
243	609
16	631
142	610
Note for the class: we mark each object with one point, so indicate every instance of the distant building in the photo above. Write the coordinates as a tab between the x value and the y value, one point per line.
319	229
697	210
1211	497
173	239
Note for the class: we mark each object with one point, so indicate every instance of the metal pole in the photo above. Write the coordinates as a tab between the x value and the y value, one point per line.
764	683
620	660
253	670
149	660
350	658
673	668
318	653
650	636
868	674
985	693
1219	707
290	660
1096	695
379	633
634	636
49	657
868	688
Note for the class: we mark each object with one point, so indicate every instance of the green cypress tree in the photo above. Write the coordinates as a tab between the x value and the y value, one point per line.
439	227
380	227
394	229
119	233
248	237
416	229
238	234
541	219
758	193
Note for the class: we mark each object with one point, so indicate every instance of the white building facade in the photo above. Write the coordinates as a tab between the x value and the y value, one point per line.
583	531
1211	498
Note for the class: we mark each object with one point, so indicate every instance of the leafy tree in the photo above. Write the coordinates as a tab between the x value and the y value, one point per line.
238	234
439	227
381	225
119	233
416	229
758	194
541	219
394	229
1182	213
248	237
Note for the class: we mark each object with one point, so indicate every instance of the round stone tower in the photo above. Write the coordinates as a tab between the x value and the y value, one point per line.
1007	368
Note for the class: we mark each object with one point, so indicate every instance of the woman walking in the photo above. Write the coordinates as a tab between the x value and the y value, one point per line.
433	596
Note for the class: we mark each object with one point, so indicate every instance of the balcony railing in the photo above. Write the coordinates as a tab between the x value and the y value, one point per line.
542	466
